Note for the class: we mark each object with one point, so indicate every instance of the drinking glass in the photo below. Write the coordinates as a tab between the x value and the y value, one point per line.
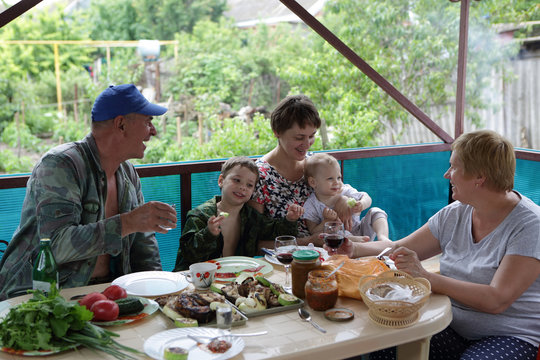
284	248
334	234
168	228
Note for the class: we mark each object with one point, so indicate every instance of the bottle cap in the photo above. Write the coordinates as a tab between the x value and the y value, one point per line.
305	255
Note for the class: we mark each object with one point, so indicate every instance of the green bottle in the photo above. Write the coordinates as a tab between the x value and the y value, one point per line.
45	271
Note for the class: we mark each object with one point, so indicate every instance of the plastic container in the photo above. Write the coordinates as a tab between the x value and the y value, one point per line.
321	291
303	262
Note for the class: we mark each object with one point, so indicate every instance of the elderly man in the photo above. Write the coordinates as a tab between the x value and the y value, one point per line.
86	197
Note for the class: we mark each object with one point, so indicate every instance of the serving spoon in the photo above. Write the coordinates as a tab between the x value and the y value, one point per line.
306	316
336	269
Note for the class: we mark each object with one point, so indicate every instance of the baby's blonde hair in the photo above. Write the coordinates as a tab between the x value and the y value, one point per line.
314	161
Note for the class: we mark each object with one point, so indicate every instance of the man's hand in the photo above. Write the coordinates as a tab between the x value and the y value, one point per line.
294	212
153	216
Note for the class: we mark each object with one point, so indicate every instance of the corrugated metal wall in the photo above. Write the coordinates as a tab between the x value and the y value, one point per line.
516	114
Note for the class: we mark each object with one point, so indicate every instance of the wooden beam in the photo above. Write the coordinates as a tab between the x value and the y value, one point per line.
462	67
357	61
16	10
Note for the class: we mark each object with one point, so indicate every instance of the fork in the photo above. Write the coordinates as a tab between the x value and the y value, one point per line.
209	339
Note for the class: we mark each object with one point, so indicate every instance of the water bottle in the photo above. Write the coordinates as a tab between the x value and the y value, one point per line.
45	272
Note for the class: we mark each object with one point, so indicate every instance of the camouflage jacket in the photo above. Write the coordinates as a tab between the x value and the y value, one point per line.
198	244
65	201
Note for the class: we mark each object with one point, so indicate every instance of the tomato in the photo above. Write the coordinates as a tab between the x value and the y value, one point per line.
106	310
89	299
115	292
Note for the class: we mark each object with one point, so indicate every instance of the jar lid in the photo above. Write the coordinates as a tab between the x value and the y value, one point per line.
305	255
339	314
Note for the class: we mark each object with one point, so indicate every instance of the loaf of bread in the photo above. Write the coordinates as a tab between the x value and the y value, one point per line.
351	273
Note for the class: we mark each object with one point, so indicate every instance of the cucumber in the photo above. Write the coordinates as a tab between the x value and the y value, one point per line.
182	322
215	287
288	299
129	305
263	281
277	289
175	353
215	304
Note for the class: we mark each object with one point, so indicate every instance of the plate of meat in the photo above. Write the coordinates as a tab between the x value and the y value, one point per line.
197	308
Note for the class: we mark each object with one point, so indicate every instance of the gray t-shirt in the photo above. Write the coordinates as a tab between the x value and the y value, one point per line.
462	259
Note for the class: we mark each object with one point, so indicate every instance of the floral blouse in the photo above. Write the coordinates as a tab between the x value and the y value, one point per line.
276	193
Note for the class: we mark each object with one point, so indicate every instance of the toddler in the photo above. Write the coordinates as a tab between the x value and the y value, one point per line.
323	174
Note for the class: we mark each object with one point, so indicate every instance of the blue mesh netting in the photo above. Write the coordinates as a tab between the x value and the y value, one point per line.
11	201
410	188
203	187
526	181
165	189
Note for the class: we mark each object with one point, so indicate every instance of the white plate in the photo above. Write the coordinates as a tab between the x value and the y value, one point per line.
324	254
238	264
155	345
152	283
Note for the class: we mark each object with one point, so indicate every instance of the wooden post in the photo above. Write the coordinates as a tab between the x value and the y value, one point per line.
17	126
179	130
250	91
158	83
462	67
76	105
57	73
108	62
199	118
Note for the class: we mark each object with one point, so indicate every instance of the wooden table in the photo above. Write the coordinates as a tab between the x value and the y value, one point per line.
291	338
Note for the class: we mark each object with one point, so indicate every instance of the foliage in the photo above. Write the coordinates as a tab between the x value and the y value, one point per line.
413	44
20	61
406	42
19	135
25	66
221	63
146	19
231	138
11	163
50	322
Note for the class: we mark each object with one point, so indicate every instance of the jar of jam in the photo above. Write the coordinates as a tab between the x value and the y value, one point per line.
303	262
321	291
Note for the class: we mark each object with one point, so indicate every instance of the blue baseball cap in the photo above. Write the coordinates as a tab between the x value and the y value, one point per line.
123	100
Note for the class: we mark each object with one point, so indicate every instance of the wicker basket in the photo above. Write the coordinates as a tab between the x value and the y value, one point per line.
395	313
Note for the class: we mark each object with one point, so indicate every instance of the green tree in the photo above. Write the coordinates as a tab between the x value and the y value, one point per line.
146	19
413	44
25	65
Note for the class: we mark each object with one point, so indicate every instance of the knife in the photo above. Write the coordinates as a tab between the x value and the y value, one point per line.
269	252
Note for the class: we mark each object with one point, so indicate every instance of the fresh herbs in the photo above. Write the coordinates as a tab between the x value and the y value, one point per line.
53	323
